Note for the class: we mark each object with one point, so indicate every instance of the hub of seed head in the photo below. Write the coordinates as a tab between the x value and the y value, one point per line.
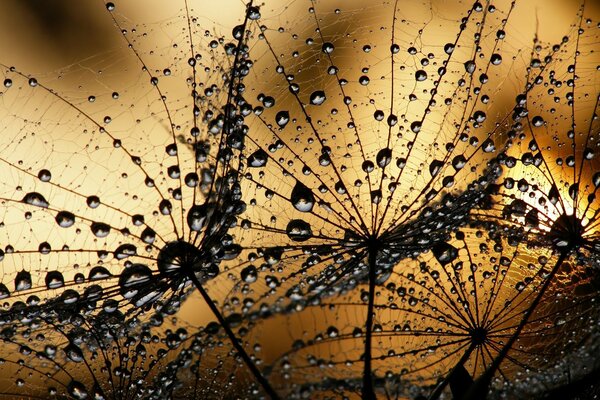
478	335
566	232
179	258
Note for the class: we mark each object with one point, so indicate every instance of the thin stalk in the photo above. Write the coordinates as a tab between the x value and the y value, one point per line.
368	392
239	348
442	385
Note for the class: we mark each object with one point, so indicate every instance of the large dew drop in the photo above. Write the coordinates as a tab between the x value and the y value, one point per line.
317	98
282	118
65	219
100	229
54	279
35	199
444	253
197	217
302	198
23	280
298	230
258	158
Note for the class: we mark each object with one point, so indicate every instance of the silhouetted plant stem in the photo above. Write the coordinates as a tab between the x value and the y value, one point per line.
367	388
239	348
452	374
479	389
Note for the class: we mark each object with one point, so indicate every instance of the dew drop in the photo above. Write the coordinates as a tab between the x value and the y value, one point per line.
444	253
317	98
23	280
298	230
131	280
368	166
415	126
302	198
258	158
93	201
54	279
65	219
488	146
384	157
537	121
197	217
249	274
44	175
327	48
470	66
282	118
420	75
100	229
124	251
435	167
35	199
479	116
98	273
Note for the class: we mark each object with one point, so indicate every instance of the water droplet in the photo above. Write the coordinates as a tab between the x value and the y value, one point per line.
368	166
596	180
488	146
496	59
35	199
282	118
435	167
4	292
124	251
54	279
327	48
148	235
258	159
23	280
302	198
93	201
444	253
317	98
384	157
44	175
298	230
65	219
376	196
133	278
100	229
537	121
470	66
98	273
197	217
459	162
249	274
415	126
253	13
479	116
165	207
420	75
